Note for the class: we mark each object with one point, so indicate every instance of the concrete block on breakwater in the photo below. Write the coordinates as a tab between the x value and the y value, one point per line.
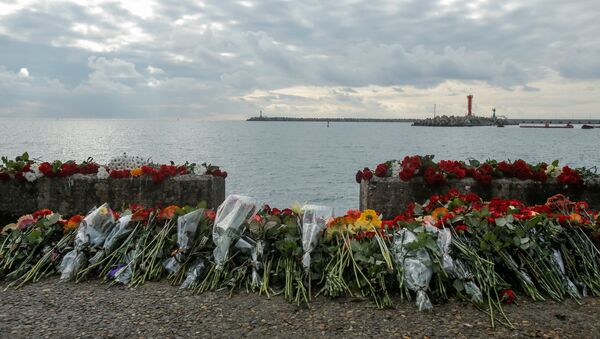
79	193
390	196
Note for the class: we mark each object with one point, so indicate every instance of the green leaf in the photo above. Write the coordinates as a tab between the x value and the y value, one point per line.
34	237
51	219
501	222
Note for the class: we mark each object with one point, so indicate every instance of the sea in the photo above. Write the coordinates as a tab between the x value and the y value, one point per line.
282	162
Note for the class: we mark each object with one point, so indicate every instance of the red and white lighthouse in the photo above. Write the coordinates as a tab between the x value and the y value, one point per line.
470	104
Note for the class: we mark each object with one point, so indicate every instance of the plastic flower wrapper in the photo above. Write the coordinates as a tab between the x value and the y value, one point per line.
444	240
116	236
569	285
231	215
314	219
92	232
466	280
415	264
186	233
194	273
254	249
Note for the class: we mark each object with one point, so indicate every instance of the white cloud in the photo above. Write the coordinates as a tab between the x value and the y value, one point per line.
24	72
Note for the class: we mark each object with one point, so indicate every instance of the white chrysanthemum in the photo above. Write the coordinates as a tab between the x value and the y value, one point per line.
125	162
396	168
37	172
30	176
102	173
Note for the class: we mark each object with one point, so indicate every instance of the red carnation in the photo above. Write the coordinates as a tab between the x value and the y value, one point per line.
367	174
382	170
507	296
46	169
41	213
461	228
359	177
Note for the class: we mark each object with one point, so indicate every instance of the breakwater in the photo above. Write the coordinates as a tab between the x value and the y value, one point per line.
412	120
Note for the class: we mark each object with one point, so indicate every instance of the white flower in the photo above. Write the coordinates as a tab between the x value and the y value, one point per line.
30	176
396	168
37	172
103	173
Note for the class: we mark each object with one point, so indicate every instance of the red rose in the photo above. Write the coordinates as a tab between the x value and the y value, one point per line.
359	177
46	169
507	296
275	211
406	174
41	213
382	170
287	211
267	209
367	174
224	174
461	228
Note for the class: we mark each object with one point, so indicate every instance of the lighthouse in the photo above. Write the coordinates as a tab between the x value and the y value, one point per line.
470	105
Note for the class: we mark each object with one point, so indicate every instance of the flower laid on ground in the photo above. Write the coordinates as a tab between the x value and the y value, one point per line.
438	173
25	169
452	245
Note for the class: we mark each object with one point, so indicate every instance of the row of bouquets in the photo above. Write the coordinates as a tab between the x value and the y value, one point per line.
451	246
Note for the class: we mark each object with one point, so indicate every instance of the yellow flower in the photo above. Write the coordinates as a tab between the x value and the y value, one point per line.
136	172
439	212
337	226
367	221
296	207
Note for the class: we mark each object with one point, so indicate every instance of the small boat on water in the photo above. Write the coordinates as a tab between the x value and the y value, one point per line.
587	127
546	125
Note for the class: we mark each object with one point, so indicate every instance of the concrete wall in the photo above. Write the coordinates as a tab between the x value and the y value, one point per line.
391	195
79	193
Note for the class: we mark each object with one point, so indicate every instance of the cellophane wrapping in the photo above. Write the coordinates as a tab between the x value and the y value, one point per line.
187	225
253	248
416	266
231	215
314	219
115	238
92	232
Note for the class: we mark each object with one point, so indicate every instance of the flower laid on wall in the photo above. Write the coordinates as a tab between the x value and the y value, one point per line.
23	168
438	173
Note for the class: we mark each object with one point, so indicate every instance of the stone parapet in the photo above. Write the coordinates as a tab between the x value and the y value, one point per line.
77	194
390	196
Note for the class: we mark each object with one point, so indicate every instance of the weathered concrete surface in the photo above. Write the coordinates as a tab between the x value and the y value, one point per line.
390	196
79	193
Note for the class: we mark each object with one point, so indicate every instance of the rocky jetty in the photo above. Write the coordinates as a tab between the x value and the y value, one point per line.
461	121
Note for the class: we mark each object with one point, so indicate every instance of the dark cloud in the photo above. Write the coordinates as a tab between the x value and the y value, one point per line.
201	58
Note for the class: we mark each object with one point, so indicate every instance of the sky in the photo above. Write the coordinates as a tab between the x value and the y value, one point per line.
345	58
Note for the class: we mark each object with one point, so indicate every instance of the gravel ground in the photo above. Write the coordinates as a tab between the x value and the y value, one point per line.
52	308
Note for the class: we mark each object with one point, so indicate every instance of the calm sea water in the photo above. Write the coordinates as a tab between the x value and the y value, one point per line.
282	162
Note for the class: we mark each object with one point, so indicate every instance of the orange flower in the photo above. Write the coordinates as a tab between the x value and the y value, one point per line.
73	223
576	218
136	172
439	212
168	212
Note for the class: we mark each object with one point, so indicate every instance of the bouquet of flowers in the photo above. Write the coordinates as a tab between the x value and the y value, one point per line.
92	232
231	215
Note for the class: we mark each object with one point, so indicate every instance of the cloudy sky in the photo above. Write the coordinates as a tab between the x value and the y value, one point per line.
230	59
